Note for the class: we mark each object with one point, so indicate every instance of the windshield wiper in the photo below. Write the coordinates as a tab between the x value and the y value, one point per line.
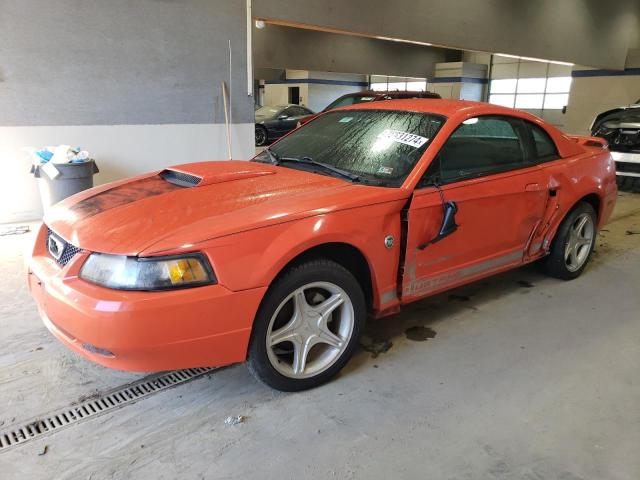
274	158
325	166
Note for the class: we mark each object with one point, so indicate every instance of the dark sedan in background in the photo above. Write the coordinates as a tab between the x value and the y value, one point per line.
372	96
274	122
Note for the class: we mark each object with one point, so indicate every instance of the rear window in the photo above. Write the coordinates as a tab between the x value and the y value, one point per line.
545	147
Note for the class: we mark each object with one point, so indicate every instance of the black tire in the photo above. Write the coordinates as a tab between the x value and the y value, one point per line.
261	136
555	264
320	270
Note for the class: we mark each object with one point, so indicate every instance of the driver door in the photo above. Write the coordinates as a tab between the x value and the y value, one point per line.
483	167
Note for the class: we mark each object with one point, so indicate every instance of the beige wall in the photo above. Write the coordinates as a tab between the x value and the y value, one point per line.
588	32
278	93
313	95
284	47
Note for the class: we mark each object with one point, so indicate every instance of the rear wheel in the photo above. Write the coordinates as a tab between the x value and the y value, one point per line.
573	244
261	136
307	327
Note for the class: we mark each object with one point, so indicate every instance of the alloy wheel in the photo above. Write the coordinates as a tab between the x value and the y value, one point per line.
261	136
579	242
310	330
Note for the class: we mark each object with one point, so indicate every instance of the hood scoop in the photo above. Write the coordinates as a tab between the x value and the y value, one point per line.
180	178
208	173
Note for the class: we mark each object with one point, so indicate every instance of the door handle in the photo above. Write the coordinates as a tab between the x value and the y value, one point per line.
533	187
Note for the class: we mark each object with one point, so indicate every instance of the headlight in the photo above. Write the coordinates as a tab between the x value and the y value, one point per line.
147	273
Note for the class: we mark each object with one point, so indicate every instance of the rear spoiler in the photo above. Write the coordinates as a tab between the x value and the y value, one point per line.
587	141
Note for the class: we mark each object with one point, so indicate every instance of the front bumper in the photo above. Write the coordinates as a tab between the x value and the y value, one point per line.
141	331
627	164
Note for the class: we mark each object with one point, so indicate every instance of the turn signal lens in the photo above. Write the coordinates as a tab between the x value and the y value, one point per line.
187	270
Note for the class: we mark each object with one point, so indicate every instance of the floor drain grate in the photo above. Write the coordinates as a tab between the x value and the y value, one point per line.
97	406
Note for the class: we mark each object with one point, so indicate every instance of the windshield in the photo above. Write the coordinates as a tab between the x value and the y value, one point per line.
268	111
344	101
379	146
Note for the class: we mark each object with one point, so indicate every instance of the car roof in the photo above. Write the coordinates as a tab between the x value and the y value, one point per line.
460	110
378	93
438	106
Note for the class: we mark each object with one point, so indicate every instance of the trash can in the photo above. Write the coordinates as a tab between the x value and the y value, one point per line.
57	181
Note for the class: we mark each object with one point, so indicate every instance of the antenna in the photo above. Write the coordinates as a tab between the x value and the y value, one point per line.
226	118
226	97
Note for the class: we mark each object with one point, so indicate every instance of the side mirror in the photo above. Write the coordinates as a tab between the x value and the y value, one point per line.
448	221
430	181
448	225
282	116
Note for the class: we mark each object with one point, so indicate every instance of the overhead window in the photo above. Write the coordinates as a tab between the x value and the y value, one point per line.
530	101
506	85
502	100
549	93
379	87
408	84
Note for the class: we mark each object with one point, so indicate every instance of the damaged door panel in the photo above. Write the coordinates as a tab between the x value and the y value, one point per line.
496	216
497	194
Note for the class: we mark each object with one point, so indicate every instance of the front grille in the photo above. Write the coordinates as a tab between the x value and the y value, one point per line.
69	251
180	178
628	167
622	139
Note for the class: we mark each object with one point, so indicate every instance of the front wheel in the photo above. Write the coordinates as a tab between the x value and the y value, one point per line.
573	244
307	326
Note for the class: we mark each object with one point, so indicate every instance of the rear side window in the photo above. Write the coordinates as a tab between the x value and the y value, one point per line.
544	148
482	146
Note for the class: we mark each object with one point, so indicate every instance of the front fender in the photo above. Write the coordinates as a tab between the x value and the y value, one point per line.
254	258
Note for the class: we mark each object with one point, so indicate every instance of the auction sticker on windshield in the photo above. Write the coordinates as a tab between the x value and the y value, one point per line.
410	139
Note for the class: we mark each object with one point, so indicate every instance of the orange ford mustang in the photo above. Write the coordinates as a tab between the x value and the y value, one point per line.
280	260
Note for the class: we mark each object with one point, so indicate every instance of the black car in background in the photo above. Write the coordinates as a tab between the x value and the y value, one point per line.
274	122
372	96
620	127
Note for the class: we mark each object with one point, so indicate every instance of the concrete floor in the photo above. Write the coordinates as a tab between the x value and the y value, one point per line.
527	378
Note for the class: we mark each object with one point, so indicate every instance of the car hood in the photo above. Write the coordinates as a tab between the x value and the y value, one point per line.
616	117
195	202
263	118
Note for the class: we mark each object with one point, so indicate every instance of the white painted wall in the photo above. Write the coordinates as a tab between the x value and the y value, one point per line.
278	93
464	90
120	151
321	95
312	95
